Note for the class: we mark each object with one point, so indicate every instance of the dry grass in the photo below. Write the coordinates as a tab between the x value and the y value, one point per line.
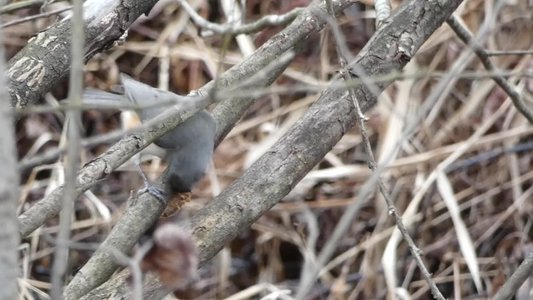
476	211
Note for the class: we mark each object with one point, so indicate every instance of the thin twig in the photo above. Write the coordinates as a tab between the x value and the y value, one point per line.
278	181
440	90
52	154
9	189
34	17
11	7
509	52
489	155
511	286
464	34
73	151
100	267
372	164
268	20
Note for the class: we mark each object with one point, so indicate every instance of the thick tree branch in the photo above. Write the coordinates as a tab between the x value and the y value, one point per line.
227	114
271	177
46	59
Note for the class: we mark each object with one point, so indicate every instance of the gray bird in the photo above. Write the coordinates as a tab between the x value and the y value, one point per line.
188	147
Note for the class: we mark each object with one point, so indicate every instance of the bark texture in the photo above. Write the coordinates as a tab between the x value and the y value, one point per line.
271	177
46	58
143	212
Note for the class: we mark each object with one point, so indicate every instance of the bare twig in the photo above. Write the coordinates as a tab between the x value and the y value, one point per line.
73	151
11	7
342	226
34	70
509	52
488	155
134	263
439	91
265	182
273	175
144	211
523	272
9	190
52	154
269	20
463	33
392	210
34	17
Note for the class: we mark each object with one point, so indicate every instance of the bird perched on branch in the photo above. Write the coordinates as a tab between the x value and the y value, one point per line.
188	147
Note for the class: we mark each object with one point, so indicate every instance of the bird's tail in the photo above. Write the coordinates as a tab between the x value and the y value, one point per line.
101	99
147	101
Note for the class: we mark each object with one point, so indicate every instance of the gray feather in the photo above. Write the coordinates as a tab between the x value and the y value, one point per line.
189	146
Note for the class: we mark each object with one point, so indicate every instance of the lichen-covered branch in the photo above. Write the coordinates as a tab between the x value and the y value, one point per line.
227	113
46	59
271	177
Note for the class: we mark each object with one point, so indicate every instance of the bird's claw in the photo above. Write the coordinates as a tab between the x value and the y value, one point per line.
160	194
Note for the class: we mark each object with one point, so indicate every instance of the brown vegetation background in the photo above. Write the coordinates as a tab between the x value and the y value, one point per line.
491	182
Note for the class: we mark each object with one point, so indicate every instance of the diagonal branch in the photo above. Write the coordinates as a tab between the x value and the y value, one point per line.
46	59
271	177
227	113
464	34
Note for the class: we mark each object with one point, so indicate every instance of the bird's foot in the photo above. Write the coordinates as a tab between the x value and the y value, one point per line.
160	194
